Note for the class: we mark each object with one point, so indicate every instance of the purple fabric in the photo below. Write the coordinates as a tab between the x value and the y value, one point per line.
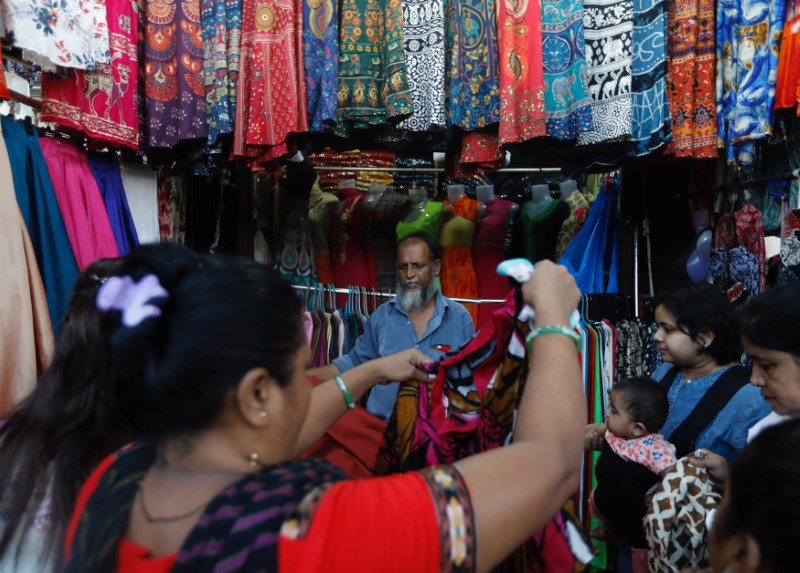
106	173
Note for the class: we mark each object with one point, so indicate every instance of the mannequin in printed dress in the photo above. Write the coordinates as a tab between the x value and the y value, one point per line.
540	224
456	238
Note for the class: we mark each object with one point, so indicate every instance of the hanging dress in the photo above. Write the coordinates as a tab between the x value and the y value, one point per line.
608	27
519	39
429	221
488	251
295	261
321	60
566	94
540	232
222	36
26	340
271	79
652	124
37	202
578	211
382	220
101	103
373	84
320	213
456	238
173	72
423	30
347	241
748	37
787	89
78	196
690	43
106	173
472	80
141	189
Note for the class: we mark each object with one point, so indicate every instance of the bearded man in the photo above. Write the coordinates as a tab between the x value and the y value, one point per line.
419	316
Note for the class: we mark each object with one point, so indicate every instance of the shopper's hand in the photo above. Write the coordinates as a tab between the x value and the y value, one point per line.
552	293
595	437
716	465
403	366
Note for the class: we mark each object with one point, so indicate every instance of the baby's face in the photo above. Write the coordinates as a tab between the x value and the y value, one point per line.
618	418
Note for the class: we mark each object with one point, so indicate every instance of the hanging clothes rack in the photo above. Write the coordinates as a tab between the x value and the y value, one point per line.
435	169
372	292
787	176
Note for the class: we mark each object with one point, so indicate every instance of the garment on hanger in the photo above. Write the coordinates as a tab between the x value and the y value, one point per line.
472	75
750	234
173	70
488	251
456	238
103	103
382	221
609	31
519	39
748	38
423	30
578	211
3	87
787	86
372	89
141	189
222	35
295	259
73	35
727	267
320	212
538	235
39	207
106	173
429	221
652	124
566	96
78	196
26	340
271	100
321	61
347	240
690	44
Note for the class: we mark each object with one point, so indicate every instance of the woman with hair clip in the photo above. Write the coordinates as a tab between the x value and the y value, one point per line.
210	359
53	439
756	526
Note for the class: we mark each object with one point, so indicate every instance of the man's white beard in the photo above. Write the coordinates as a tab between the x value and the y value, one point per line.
414	299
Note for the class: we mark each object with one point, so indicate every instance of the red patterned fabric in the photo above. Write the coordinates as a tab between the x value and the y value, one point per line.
456	237
692	83
750	233
164	207
271	86
102	103
519	39
480	151
787	89
725	234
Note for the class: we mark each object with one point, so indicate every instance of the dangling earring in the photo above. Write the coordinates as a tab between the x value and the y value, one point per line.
253	457
263	414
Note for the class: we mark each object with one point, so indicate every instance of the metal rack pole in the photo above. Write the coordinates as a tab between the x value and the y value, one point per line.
371	292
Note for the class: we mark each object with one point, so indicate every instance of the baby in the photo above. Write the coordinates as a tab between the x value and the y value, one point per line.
634	457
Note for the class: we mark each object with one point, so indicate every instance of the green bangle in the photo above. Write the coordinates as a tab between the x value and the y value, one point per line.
568	332
347	397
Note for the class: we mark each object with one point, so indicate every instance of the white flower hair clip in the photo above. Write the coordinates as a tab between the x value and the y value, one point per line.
132	298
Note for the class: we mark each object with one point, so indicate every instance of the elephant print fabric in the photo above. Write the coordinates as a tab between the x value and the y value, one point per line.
608	27
101	103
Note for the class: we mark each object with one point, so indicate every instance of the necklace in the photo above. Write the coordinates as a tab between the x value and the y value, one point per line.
152	519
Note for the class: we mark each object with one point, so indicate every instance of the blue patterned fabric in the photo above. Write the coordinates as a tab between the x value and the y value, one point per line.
566	96
222	32
651	127
748	38
735	265
472	73
321	58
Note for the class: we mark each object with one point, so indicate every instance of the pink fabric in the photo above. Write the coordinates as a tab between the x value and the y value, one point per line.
652	451
79	199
